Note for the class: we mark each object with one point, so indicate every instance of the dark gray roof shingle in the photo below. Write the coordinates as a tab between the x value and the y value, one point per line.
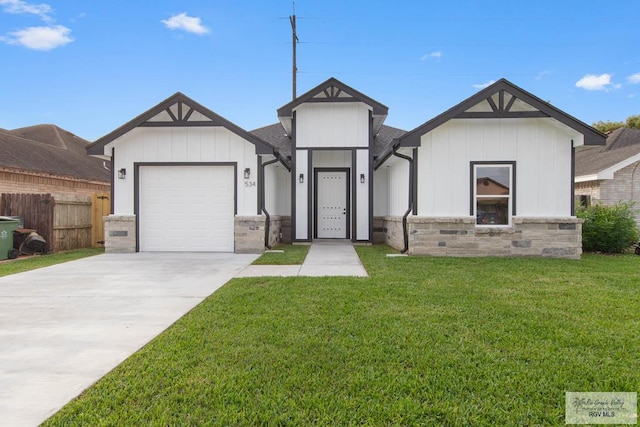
50	150
275	135
622	144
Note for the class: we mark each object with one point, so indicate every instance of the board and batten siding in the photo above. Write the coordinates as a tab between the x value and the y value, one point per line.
362	194
183	144
277	190
542	152
321	125
381	192
302	195
398	187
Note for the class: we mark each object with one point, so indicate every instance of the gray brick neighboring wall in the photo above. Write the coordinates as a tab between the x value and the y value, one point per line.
543	237
625	186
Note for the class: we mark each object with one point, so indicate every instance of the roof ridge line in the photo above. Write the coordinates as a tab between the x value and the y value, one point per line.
33	141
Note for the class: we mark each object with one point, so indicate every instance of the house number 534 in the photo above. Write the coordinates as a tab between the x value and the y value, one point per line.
249	183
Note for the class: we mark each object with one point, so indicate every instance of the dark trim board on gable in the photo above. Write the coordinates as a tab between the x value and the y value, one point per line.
336	87
502	86
142	120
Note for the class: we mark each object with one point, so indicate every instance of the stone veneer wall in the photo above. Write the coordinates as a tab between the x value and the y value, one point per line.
285	229
120	234
459	236
249	234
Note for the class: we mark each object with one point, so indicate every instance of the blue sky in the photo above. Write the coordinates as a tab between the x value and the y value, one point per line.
91	66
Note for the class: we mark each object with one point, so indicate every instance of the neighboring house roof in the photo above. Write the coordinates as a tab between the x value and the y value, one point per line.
48	149
333	90
276	135
178	110
502	99
489	186
621	150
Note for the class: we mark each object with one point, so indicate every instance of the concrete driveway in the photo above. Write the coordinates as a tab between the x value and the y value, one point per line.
64	327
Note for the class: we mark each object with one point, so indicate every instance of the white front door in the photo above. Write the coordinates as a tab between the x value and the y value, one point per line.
331	204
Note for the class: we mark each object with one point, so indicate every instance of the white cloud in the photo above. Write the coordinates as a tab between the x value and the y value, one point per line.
40	38
432	55
593	82
634	78
182	21
542	74
22	7
484	85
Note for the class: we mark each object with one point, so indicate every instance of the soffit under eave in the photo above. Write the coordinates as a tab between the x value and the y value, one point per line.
287	123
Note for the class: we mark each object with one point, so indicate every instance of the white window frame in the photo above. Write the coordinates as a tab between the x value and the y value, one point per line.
510	198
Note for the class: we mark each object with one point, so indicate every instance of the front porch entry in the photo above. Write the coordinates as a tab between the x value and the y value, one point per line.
331	202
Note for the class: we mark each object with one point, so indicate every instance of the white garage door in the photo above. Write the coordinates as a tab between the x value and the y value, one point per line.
186	208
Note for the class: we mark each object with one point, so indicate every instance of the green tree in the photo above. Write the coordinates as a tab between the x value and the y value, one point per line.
607	126
633	122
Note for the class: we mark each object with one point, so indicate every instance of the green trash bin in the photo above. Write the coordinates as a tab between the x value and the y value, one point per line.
7	227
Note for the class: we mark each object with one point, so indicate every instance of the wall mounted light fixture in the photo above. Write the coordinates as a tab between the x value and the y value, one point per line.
122	173
362	178
247	173
301	178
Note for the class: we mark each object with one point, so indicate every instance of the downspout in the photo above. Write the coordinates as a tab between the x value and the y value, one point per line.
263	209
405	233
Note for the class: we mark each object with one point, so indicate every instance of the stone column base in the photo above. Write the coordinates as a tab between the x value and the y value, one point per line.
120	234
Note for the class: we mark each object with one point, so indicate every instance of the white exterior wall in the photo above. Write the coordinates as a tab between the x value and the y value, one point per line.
183	144
302	196
543	165
332	125
381	191
398	186
362	195
332	159
278	190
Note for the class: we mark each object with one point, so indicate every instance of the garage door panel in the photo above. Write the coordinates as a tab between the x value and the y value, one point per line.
186	208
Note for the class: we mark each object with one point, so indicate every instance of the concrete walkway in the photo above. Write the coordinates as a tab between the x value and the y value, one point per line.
325	258
64	327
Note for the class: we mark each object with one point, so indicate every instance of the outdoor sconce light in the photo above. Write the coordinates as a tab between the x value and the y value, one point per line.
122	173
301	178
362	178
247	173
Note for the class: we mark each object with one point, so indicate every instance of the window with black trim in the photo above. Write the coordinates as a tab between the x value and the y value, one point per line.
493	197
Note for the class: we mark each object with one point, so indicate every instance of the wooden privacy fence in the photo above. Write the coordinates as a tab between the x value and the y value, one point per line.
65	222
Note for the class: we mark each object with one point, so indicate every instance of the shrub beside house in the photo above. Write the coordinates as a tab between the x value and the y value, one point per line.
610	173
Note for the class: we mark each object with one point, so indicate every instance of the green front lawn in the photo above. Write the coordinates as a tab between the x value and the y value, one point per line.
423	341
290	255
22	264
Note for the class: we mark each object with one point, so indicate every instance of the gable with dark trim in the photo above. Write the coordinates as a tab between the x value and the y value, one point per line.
179	111
503	109
333	90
